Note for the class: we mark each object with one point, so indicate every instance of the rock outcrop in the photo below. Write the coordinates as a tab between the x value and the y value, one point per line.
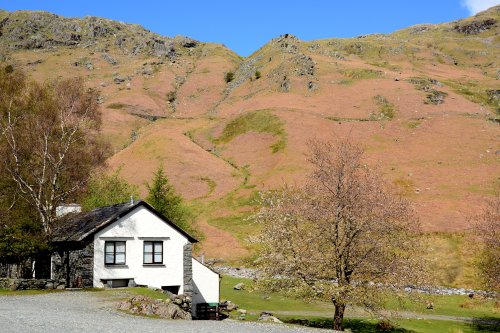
142	305
44	30
475	27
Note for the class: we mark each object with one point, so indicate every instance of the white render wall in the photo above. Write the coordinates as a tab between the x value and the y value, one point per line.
136	227
205	285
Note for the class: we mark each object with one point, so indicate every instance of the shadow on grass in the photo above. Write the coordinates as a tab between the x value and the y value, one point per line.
486	324
355	325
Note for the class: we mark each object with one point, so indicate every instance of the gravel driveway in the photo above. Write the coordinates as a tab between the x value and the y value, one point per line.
91	312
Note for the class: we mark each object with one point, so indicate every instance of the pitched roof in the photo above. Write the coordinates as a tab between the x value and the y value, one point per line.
77	227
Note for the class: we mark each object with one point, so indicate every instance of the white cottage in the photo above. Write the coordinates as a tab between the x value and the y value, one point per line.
127	245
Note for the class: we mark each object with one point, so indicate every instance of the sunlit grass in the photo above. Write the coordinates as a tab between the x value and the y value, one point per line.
262	121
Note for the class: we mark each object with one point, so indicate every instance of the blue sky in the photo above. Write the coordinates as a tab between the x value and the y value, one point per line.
244	26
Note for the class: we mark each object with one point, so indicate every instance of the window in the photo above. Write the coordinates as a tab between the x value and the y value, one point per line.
153	252
114	253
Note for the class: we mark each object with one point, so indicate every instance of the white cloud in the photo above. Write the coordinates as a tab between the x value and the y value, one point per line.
475	6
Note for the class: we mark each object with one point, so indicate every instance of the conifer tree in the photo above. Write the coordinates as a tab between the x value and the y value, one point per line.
163	197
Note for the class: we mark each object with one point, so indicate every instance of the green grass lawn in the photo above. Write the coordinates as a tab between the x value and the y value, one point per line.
452	305
364	325
257	301
432	326
7	292
319	314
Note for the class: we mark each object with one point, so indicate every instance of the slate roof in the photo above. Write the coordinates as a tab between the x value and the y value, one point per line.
77	227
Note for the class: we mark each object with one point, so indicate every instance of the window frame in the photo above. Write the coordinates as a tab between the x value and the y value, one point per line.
153	254
114	263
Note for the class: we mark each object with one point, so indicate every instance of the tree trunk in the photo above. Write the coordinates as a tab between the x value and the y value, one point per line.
338	317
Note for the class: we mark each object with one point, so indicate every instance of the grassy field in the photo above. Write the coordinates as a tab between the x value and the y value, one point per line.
364	325
256	301
450	305
413	316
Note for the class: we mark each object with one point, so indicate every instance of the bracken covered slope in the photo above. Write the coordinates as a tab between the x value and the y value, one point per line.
424	102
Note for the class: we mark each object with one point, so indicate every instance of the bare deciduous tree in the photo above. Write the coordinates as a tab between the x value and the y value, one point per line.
48	140
344	236
487	227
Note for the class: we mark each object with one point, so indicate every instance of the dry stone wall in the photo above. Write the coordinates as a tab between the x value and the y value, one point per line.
31	284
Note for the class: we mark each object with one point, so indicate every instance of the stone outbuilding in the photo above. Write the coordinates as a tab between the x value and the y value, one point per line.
130	244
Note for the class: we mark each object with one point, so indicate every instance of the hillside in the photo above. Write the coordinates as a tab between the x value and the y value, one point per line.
424	102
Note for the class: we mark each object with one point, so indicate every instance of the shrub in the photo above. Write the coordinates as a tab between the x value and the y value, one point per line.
229	77
116	106
258	75
171	96
8	69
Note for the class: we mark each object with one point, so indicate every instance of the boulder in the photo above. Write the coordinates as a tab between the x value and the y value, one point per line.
188	42
106	56
435	97
231	307
268	316
150	307
285	85
476	26
147	71
239	286
118	80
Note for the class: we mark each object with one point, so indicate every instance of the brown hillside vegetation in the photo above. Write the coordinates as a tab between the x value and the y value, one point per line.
424	102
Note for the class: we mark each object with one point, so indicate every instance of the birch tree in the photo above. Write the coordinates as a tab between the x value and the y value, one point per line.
344	236
49	140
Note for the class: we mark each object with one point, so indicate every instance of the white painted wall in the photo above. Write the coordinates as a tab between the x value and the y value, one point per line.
138	224
205	285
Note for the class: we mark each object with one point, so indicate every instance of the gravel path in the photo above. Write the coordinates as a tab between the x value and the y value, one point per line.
70	312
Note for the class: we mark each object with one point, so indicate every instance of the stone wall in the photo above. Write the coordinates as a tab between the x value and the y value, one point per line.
81	266
188	269
17	271
31	284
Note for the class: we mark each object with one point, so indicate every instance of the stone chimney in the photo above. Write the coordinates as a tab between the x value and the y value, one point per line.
64	209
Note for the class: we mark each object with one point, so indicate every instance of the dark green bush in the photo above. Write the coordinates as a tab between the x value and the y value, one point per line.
229	77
